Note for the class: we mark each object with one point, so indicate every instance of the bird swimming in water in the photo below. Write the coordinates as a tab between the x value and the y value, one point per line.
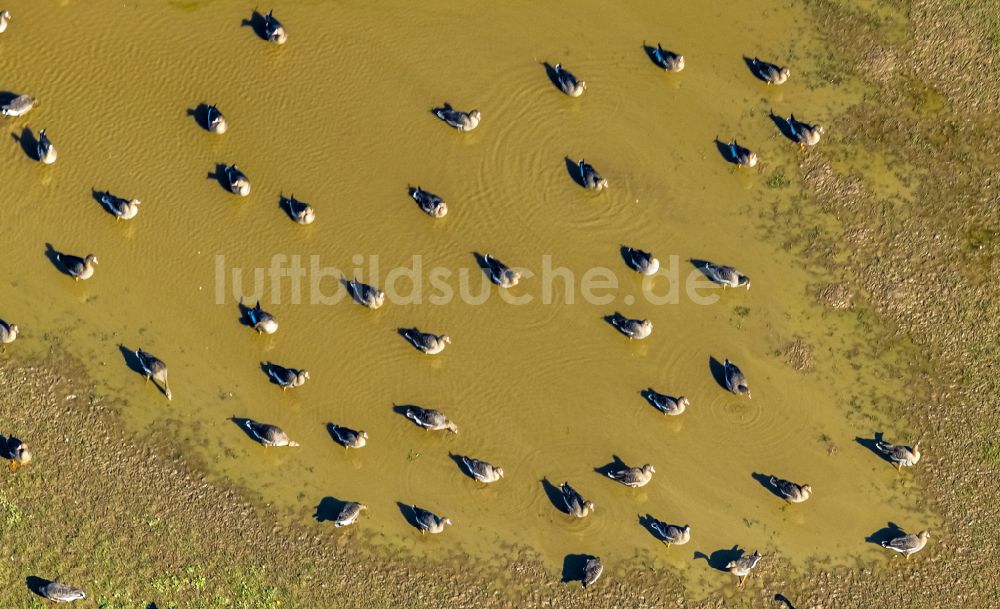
260	320
348	438
46	151
744	157
568	83
770	73
78	268
432	204
907	544
61	593
4	21
8	334
154	368
481	470
736	382
366	295
589	177
121	209
789	491
804	133
637	329
670	534
215	121
633	476
726	276
592	571
741	567
574	502
273	30
301	212
431	344
348	514
19	106
899	455
236	181
428	418
268	435
428	521
640	261
463	121
665	403
286	378
671	62
500	273
17	451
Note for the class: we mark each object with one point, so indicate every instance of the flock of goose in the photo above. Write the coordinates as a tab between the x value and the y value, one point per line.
426	521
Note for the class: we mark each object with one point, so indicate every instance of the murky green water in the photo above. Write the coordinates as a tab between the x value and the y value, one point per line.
340	116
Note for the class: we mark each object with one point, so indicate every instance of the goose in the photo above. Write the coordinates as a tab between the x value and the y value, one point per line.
427	521
665	403
286	378
481	470
500	273
236	181
19	106
273	30
366	295
726	276
301	212
672	535
770	73
61	593
78	268
590	178
744	157
637	329
899	455
268	435
428	418
215	121
121	209
789	491
4	20
908	544
431	344
18	452
260	320
568	83
348	438
154	368
633	476
734	378
741	567
640	261
592	571
463	121
46	151
671	62
575	504
8	334
432	204
348	514
804	133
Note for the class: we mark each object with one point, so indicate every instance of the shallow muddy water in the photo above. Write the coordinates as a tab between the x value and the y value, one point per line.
340	116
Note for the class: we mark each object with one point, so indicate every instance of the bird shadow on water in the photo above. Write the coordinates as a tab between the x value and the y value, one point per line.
219	175
257	23
765	481
550	71
701	265
6	97
749	62
887	533
53	255
720	558
872	445
408	514
328	509
616	465
781	598
573	169
725	151
200	115
647	523
718	370
783	125
554	495
573	566
28	142
241	422
35	584
650	52
461	464
131	360
245	314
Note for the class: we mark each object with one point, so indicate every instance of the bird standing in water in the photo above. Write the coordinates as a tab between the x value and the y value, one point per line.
154	368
